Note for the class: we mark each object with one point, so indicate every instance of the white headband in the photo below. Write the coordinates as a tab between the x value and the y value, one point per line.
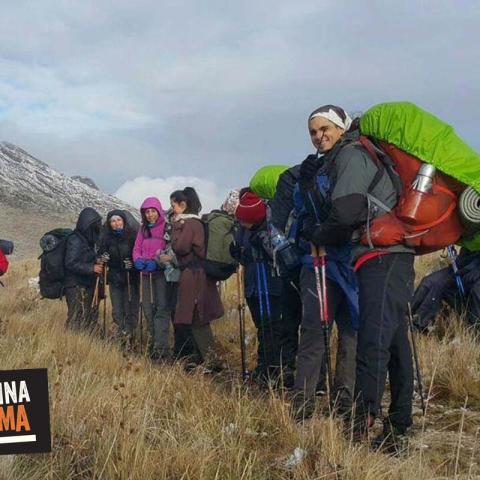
116	217
335	118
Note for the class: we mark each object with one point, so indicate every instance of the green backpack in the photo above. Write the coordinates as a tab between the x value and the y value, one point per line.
219	234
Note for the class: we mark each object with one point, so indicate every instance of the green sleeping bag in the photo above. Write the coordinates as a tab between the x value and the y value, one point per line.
264	182
426	137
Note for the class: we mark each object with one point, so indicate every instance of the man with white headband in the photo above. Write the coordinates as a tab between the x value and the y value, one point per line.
385	275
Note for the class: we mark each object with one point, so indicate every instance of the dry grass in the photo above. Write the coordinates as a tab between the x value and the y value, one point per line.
117	417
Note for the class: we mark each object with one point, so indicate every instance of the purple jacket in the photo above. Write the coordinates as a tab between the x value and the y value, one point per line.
145	247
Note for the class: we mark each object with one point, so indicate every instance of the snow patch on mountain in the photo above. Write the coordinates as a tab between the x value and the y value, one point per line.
27	182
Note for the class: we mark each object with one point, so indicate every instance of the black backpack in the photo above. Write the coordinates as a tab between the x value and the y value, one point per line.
52	263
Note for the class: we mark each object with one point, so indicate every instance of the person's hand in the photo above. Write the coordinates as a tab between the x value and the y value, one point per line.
127	264
98	268
308	228
140	264
104	257
150	266
235	251
308	171
165	258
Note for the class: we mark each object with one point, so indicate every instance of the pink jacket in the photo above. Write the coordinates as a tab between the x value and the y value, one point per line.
146	247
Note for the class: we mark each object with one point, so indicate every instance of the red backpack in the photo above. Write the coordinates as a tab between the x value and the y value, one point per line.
425	221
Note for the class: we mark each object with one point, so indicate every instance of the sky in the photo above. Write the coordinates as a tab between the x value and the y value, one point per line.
148	96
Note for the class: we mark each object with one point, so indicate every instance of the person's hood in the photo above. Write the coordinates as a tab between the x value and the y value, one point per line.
119	213
88	216
153	202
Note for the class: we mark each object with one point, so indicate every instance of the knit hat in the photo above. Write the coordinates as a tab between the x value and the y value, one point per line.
251	209
230	203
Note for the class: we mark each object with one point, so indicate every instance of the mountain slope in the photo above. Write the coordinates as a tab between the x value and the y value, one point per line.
36	198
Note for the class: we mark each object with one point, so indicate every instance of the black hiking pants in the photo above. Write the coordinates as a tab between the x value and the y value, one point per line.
291	305
385	288
441	286
433	289
311	351
268	333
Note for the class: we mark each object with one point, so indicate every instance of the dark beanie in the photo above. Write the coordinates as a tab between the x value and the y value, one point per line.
251	209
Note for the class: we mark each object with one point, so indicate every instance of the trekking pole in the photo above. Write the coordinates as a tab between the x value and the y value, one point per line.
452	257
152	309
129	287
95	292
319	262
415	356
267	304
140	312
150	281
241	324
260	304
105	302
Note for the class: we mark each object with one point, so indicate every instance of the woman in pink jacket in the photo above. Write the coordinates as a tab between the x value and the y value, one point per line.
150	239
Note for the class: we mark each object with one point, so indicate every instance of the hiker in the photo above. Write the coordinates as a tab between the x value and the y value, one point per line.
282	223
150	239
198	301
385	276
123	279
183	344
82	270
262	287
312	200
461	292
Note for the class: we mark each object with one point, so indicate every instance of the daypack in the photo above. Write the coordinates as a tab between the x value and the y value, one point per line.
219	264
424	220
52	263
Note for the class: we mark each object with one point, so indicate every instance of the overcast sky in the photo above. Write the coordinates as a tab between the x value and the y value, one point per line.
153	90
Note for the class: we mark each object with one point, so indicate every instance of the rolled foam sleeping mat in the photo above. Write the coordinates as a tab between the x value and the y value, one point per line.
469	208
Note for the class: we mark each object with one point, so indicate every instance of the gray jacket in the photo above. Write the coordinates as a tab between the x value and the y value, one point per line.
351	171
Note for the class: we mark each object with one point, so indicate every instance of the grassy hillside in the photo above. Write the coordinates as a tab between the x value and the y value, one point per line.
119	417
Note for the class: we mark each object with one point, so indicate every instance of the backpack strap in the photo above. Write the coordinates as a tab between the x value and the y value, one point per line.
383	163
368	145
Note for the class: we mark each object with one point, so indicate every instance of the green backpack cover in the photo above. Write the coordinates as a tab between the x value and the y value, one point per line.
428	138
264	182
424	136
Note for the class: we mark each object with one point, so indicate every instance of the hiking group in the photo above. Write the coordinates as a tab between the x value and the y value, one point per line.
331	240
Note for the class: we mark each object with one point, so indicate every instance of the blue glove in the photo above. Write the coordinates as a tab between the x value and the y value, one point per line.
150	265
140	264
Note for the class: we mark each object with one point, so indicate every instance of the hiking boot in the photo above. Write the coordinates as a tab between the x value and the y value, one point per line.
361	427
159	357
288	378
392	441
321	388
301	408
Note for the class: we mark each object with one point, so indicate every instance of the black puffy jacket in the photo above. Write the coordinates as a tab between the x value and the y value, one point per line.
80	253
282	203
119	248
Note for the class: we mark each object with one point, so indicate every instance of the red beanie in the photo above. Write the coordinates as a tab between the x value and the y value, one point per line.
251	209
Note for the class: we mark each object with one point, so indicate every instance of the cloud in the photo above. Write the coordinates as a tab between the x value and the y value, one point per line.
118	90
135	191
